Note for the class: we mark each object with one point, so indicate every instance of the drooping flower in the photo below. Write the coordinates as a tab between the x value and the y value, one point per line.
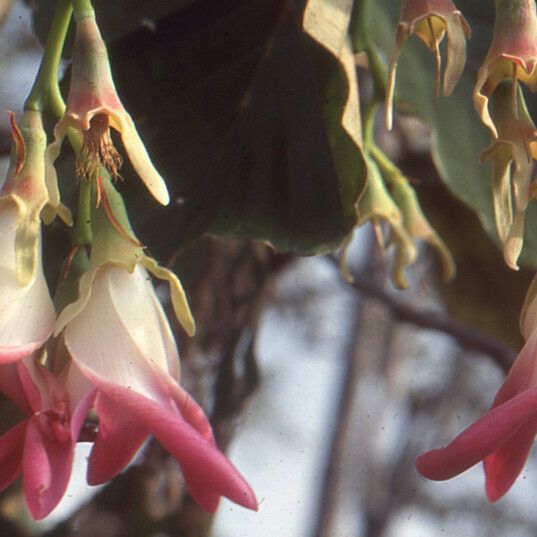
27	314
118	337
512	154
41	448
121	341
93	107
430	20
512	54
401	211
502	438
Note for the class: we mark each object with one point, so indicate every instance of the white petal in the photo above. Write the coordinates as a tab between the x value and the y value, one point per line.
122	334
26	312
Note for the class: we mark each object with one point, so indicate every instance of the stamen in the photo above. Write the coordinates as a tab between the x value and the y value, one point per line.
98	150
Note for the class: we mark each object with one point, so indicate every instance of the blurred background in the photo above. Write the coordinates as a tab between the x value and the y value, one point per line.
321	392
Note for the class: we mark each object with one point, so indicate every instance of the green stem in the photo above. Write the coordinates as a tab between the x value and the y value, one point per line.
46	90
369	122
83	8
390	170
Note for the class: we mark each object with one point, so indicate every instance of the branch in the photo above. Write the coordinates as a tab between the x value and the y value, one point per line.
468	337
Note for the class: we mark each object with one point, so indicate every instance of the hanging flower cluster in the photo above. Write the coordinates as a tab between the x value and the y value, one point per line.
503	438
108	350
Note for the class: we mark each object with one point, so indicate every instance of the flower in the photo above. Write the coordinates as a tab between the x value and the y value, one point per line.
121	341
512	154
93	106
504	436
41	448
430	20
401	211
512	54
27	314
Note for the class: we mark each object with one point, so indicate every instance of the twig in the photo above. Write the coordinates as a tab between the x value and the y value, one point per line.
467	337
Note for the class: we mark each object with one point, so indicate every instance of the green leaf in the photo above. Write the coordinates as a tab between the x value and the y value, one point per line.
241	110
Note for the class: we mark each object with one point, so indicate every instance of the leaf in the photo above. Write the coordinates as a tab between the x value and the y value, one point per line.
241	111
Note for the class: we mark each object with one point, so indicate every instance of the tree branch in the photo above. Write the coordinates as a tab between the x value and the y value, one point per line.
466	336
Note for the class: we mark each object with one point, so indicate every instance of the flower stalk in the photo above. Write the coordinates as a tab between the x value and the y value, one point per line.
46	90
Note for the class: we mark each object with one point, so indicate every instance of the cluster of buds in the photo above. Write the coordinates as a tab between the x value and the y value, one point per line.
106	351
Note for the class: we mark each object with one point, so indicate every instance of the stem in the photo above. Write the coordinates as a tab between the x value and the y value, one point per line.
83	8
369	122
394	175
46	90
391	171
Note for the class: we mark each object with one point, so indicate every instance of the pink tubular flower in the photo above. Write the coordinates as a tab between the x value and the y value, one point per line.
42	446
93	106
502	438
120	339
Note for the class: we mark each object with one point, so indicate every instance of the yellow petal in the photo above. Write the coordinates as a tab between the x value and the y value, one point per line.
177	294
140	160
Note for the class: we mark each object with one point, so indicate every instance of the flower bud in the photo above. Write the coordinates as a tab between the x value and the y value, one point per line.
512	154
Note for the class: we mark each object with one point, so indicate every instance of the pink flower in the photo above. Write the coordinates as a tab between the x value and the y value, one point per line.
93	106
120	339
42	446
502	438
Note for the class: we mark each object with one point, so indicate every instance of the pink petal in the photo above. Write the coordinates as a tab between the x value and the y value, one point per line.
480	439
504	465
190	410
118	440
11	446
522	373
205	496
46	470
205	467
29	383
12	387
14	353
79	413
